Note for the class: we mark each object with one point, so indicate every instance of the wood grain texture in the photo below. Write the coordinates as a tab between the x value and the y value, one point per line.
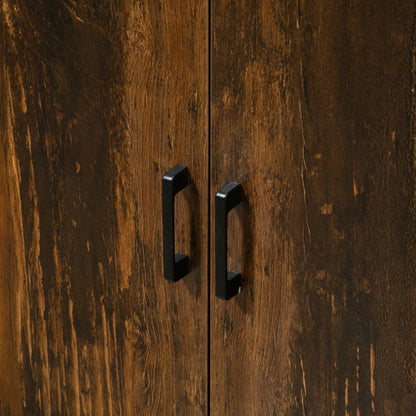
98	100
313	112
256	140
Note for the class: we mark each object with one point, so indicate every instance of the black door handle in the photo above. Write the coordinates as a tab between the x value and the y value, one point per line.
227	283
176	265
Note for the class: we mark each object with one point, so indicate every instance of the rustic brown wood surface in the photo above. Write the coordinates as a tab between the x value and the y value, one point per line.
313	109
313	112
98	100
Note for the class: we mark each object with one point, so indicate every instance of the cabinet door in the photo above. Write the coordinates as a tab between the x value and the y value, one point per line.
313	113
98	101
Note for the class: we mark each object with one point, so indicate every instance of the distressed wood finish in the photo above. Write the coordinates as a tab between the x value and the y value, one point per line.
256	140
312	112
98	100
313	108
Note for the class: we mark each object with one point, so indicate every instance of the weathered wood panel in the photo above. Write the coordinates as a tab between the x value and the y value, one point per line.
312	112
256	140
98	100
358	336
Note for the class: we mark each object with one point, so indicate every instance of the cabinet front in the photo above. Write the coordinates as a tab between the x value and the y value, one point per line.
207	208
98	101
312	111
